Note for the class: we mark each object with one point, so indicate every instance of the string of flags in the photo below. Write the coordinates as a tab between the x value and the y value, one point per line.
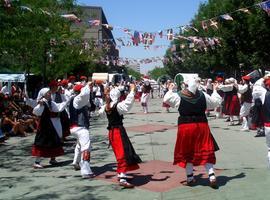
147	39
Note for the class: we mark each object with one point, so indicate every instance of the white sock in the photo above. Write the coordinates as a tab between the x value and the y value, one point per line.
189	171
210	170
121	175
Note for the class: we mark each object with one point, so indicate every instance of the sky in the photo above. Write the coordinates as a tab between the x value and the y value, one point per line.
148	16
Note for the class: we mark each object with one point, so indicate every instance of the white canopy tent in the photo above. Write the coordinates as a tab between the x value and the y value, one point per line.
12	78
9	78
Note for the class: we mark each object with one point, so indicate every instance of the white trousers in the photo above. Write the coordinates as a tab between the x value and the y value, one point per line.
83	143
245	109
145	98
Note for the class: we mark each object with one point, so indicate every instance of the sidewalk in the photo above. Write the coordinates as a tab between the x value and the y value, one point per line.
241	164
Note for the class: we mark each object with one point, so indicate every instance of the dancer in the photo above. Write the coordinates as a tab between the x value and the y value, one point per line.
126	157
146	89
47	142
79	121
246	101
264	95
194	144
231	100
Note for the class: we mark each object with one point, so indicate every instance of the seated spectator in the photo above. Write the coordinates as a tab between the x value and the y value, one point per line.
10	126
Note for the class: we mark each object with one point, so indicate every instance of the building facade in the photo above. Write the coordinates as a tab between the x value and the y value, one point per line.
97	33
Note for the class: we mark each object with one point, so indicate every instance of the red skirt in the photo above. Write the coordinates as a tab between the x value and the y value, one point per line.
194	144
47	152
226	105
138	96
234	108
118	149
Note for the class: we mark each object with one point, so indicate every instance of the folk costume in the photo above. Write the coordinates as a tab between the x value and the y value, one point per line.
127	159
146	89
246	102
59	97
47	141
231	100
257	121
264	95
195	144
79	127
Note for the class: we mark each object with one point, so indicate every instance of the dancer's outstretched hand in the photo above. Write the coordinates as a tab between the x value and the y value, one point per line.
132	87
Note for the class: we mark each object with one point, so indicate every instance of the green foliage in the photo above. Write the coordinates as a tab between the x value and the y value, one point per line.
244	40
134	73
41	39
157	72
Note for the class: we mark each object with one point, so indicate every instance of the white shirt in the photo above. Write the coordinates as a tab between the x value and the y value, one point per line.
122	107
174	100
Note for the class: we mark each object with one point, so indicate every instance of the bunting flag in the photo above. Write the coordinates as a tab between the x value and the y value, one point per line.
107	26
170	34
213	23
265	6
45	12
94	22
26	8
71	17
204	25
7	3
244	10
193	28
160	33
226	17
136	38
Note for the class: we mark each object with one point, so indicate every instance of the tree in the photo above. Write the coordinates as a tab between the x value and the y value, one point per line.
134	73
36	38
244	41
157	72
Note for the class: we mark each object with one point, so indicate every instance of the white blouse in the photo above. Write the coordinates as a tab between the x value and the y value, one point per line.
174	99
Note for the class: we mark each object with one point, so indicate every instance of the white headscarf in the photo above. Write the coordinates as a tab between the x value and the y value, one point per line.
232	80
42	93
192	85
146	83
114	94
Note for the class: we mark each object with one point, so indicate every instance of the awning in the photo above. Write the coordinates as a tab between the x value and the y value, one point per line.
12	78
100	76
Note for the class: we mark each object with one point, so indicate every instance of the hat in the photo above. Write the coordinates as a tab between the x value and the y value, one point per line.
53	83
77	88
42	93
246	78
70	78
64	82
219	79
192	85
267	82
231	80
83	78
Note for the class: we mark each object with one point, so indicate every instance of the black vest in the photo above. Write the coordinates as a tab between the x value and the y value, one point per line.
114	118
247	96
79	117
47	136
266	107
58	98
192	109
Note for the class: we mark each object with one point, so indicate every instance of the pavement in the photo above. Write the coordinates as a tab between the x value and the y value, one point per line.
241	164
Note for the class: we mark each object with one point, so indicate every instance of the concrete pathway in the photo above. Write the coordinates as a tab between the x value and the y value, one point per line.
241	164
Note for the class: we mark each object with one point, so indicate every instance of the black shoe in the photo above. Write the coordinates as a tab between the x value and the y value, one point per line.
260	135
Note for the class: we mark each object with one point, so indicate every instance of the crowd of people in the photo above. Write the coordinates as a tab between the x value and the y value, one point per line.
64	108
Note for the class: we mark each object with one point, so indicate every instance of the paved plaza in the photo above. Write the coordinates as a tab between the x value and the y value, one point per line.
241	164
